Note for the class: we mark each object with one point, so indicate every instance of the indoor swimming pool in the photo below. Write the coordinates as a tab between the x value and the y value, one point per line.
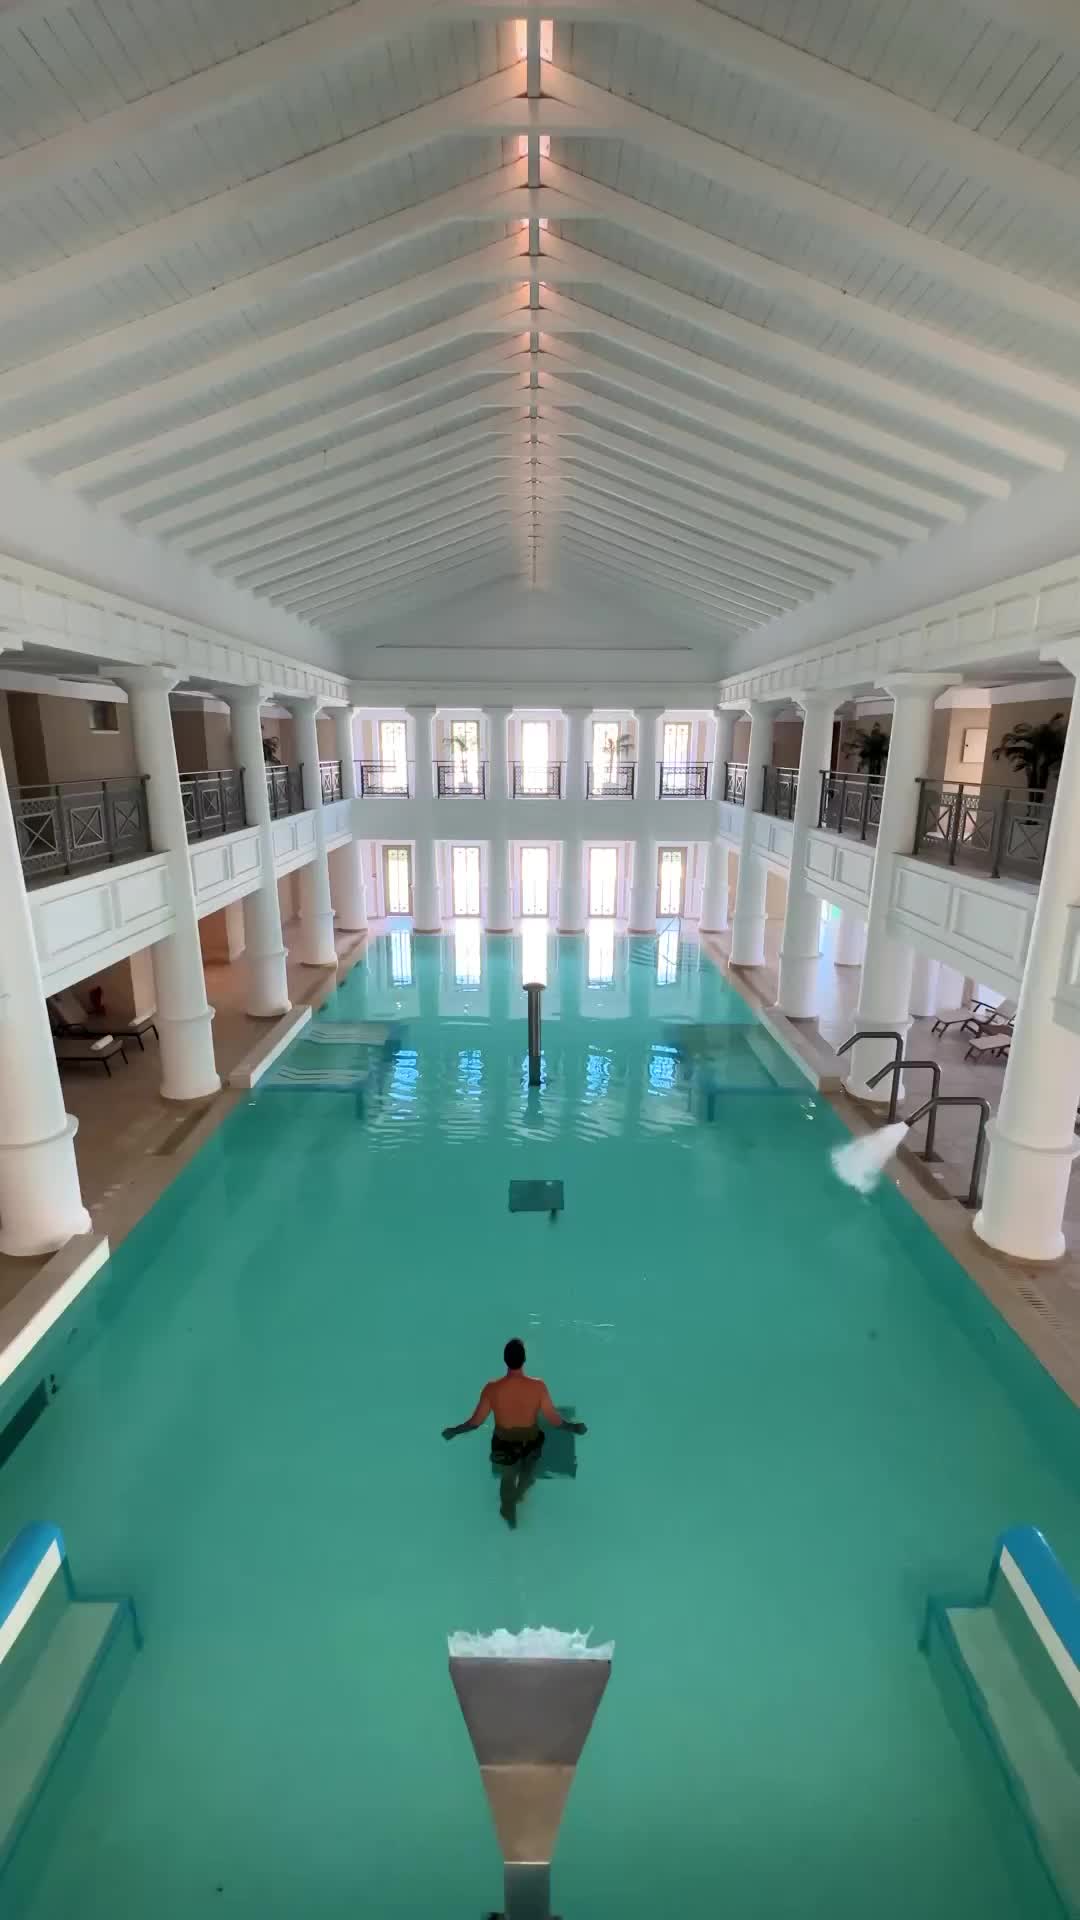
803	1419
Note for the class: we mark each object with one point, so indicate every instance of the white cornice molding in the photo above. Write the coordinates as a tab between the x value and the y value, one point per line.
1012	619
53	611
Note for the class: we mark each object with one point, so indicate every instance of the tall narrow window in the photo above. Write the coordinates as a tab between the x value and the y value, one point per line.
465	876
677	743
605	753
672	880
398	880
535	747
394	756
535	865
464	739
603	877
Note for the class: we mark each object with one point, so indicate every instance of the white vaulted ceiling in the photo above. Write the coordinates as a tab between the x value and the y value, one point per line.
701	310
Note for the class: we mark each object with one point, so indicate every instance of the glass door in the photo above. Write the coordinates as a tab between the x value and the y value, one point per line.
603	882
535	747
465	755
605	754
465	881
535	868
672	881
393	756
398	874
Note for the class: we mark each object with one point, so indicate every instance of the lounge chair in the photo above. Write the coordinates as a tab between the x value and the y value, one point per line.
82	1050
991	1019
70	1018
990	1045
959	1016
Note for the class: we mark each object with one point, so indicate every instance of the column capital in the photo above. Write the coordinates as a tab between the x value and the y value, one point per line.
255	694
501	708
425	711
817	699
299	703
156	675
639	712
1065	651
902	683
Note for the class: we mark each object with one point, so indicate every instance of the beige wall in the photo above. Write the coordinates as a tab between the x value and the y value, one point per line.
787	743
73	751
7	744
284	732
127	988
28	740
221	934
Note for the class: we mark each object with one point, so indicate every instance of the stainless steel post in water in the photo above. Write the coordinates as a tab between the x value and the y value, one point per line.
534	988
528	1721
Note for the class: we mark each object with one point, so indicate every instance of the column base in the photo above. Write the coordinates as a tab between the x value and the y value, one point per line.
1024	1197
268	985
649	927
748	941
188	1069
426	930
498	929
715	925
578	929
869	1056
39	1195
317	947
798	994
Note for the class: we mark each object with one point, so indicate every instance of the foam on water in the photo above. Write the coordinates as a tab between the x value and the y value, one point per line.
532	1643
861	1163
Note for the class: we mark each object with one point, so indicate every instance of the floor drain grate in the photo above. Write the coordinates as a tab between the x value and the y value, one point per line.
536	1196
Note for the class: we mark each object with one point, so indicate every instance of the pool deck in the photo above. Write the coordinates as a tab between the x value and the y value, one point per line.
131	1143
1041	1303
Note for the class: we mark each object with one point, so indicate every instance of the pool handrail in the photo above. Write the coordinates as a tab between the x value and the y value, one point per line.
28	1565
1030	1567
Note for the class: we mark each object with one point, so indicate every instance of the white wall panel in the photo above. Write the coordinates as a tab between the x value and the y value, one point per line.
226	869
982	927
84	924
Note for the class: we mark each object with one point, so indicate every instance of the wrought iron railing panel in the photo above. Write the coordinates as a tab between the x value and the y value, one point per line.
382	777
330	781
213	802
779	792
72	824
851	803
536	782
690	782
452	779
610	783
285	787
735	782
992	830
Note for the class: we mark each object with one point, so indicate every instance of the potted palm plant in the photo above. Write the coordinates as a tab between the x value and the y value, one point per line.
1034	748
871	748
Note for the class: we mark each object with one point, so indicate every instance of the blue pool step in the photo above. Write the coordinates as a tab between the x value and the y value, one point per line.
1015	1654
61	1658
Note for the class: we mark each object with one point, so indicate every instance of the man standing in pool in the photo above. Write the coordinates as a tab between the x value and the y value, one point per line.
517	1402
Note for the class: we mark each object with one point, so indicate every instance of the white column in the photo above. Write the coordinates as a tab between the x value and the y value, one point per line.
748	927
317	947
572	885
41	1206
1032	1143
643	887
800	948
349	876
647	778
427	917
950	985
714	912
726	718
577	752
499	917
499	914
850	946
185	1016
923	998
268	985
498	773
885	989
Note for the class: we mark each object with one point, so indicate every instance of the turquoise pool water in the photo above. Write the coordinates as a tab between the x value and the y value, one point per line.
802	1418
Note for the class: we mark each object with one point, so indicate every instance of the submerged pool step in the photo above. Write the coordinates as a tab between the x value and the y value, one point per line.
1031	1744
35	1723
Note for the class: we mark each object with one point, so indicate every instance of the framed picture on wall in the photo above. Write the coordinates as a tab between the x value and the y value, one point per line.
973	746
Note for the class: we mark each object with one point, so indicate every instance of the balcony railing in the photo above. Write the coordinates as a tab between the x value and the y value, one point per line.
285	786
452	778
72	824
213	802
529	781
610	783
680	782
330	781
779	792
991	830
735	782
378	777
851	803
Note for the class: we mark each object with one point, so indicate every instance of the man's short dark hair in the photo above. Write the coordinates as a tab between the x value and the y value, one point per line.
514	1353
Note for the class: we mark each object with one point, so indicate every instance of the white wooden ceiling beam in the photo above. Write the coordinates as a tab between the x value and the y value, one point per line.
491	271
625	565
665	502
579	572
491	198
689	484
487	107
375	570
506	317
214	472
488	563
608	115
462	510
575	511
598	202
684	407
419	469
693	529
562	355
352	462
